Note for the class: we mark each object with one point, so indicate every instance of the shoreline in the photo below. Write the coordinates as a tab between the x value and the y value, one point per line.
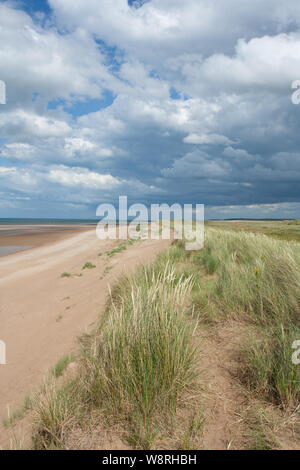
20	238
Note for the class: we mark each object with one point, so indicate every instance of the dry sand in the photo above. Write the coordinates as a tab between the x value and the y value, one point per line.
41	313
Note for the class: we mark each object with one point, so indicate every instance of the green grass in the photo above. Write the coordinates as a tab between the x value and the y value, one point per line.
263	424
61	365
136	368
65	274
257	280
140	364
107	269
193	433
88	265
116	250
121	247
288	230
144	359
56	411
257	276
19	413
268	366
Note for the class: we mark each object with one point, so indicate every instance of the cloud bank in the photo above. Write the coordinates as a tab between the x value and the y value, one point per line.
163	100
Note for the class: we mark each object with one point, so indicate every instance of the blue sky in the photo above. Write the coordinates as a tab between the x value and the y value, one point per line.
33	6
162	101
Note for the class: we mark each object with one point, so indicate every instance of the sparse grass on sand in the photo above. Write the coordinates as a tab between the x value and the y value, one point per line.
121	247
61	365
19	413
65	274
88	265
116	250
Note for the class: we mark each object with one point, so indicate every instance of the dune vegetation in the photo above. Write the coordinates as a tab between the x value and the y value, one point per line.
179	340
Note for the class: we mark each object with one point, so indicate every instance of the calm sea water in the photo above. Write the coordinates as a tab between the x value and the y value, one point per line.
46	221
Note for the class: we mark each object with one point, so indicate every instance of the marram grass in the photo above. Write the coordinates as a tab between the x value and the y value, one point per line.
256	279
136	368
257	276
143	360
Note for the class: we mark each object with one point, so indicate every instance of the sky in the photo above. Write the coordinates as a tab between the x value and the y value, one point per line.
165	101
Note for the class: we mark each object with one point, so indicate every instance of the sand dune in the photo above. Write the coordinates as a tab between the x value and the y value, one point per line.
41	313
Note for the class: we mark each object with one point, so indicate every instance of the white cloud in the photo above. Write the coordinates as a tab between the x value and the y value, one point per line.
77	145
18	151
37	59
207	139
168	28
29	123
81	177
197	164
270	62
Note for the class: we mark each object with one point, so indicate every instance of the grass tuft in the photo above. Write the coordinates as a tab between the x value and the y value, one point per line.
19	413
56	411
116	250
88	265
135	369
268	366
61	365
143	360
256	276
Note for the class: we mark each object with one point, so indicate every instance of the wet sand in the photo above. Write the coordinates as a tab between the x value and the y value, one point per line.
9	250
14	238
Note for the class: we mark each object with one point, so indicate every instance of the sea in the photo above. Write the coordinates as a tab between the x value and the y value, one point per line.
10	227
35	221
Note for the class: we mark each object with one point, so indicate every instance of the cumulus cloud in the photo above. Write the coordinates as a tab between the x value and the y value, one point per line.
81	177
197	164
211	139
166	29
43	61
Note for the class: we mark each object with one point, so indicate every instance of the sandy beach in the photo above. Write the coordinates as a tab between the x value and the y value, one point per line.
42	313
